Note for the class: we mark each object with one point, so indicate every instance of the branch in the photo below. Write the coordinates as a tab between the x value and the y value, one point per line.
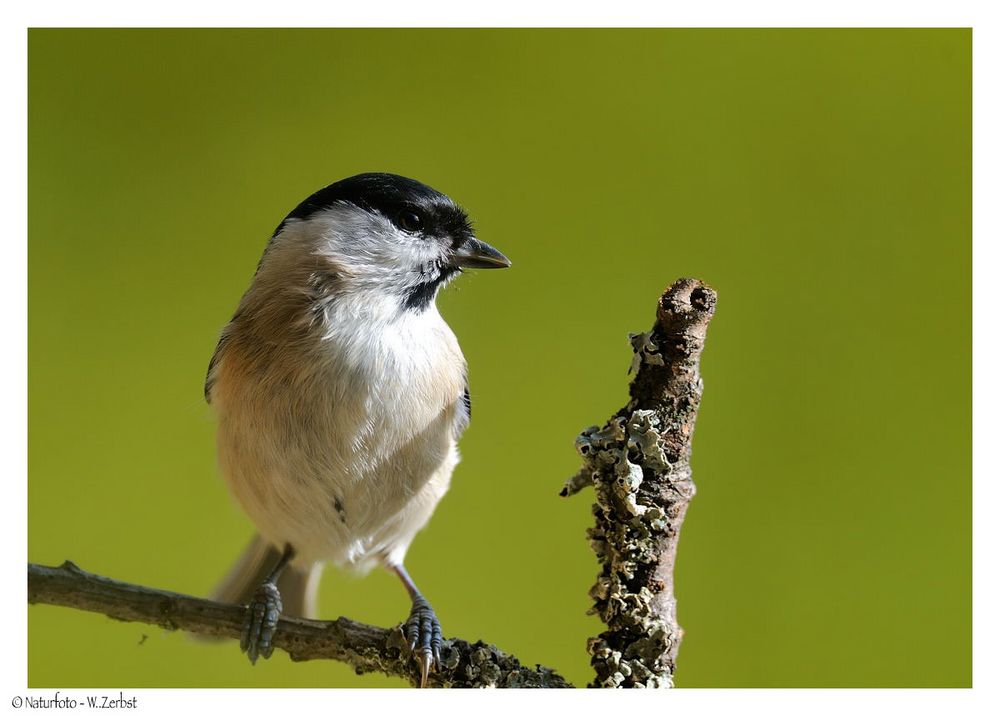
365	648
639	465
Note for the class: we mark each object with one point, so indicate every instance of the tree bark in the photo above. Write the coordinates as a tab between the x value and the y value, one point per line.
639	464
366	648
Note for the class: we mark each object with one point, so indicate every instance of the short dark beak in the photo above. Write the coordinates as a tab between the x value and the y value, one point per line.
473	253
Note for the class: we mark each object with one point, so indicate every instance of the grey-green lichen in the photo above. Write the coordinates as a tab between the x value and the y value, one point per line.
645	350
638	464
463	665
626	537
482	665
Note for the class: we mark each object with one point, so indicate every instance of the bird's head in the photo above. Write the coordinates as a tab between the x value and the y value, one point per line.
380	235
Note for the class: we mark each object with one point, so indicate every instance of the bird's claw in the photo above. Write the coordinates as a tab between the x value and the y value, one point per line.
261	622
424	659
423	634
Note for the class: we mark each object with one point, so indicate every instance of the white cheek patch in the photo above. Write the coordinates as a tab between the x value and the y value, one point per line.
373	249
375	265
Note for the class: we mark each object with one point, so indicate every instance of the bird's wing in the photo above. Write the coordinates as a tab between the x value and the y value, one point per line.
214	363
463	416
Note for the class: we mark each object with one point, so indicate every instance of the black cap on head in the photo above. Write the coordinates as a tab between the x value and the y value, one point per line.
398	199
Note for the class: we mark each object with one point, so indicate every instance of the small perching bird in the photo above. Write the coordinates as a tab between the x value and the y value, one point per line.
341	394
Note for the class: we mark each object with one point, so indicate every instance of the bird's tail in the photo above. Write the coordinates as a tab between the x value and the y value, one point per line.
298	585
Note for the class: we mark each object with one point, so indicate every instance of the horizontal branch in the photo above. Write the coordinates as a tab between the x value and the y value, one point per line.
365	648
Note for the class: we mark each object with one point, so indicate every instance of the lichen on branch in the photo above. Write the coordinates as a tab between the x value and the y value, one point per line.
639	465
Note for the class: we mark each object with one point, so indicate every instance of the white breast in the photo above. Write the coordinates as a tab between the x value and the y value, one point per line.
341	441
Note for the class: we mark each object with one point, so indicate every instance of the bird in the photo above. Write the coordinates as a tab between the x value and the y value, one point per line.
340	394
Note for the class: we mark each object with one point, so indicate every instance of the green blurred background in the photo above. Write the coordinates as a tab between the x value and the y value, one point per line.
820	180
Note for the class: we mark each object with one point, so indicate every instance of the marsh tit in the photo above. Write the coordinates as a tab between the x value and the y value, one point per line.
341	394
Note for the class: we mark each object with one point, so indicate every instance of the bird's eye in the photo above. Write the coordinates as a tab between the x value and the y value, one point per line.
411	221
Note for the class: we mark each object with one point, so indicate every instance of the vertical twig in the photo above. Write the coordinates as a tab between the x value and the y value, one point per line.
639	465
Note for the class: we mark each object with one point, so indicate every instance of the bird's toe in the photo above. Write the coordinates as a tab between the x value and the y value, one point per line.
257	639
423	633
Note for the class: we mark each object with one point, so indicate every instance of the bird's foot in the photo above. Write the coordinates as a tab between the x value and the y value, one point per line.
423	633
261	622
